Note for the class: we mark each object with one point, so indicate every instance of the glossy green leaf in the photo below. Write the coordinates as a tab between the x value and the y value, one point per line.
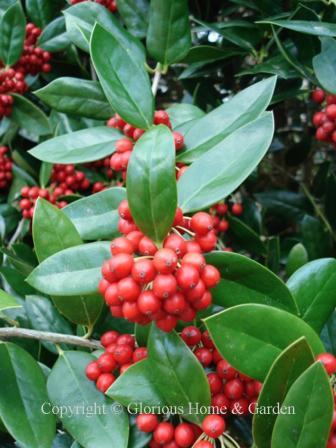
30	117
43	316
286	204
68	386
81	146
141	333
243	280
12	34
183	113
136	387
45	173
124	81
80	20
76	96
325	64
251	336
7	301
245	236
243	108
297	257
179	377
96	217
219	171
313	287
289	365
168	37
170	376
151	183
134	13
312	404
22	398
54	36
73	271
305	26
315	237
41	12
16	281
52	230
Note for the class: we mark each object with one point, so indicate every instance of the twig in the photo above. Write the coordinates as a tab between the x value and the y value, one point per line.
17	233
56	338
156	81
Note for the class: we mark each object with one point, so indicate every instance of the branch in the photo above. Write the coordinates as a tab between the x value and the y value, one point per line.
156	81
56	338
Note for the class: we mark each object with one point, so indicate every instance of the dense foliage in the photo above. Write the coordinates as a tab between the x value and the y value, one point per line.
167	224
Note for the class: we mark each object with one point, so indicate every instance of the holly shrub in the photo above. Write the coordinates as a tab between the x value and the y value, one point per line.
167	224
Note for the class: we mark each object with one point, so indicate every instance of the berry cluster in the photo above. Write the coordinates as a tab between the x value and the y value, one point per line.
124	146
120	353
161	285
68	179
11	81
231	391
111	5
6	165
34	60
31	194
325	119
329	362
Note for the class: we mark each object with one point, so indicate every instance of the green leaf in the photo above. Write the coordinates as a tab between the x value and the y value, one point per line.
243	280
313	287
218	172
246	236
251	336
124	81
170	376
12	34
136	387
182	113
305	26
286	204
325	64
151	183
80	20
289	365
76	96
30	117
179	377
73	271
312	402
297	257
43	316
41	12
16	280
96	217
45	173
141	333
315	237
7	301
68	386
168	36
81	146
243	108
54	37
134	13
22	398
53	232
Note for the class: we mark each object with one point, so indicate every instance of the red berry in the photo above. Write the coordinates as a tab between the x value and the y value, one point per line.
213	426
221	402
104	381
318	95
124	145
126	339
165	261
319	118
161	117
187	277
207	242
201	223
147	422
194	259
167	323
234	389
210	276
143	271
203	444
93	371
331	111
147	246
106	363
225	370
204	356
175	304
163	433
124	210
121	265
215	383
329	362
128	289
178	140
237	209
123	354
164	286
321	134
108	338
149	303
176	243
184	435
111	295
122	245
191	335
139	354
178	220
